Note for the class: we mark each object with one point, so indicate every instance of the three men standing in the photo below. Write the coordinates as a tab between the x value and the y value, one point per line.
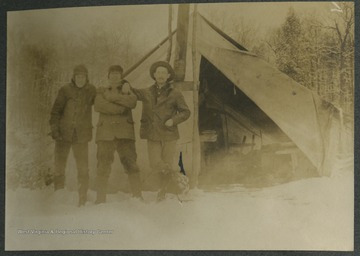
71	127
163	109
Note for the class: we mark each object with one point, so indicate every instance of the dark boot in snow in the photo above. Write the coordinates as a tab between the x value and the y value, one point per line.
101	188
100	198
82	199
135	185
59	182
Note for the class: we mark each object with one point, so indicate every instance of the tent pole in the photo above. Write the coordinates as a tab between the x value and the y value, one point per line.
196	138
226	129
137	64
168	56
181	42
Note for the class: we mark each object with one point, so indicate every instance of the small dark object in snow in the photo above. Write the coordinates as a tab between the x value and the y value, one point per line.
181	165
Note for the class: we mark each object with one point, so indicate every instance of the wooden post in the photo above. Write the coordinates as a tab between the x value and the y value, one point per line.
224	123
168	56
181	42
196	161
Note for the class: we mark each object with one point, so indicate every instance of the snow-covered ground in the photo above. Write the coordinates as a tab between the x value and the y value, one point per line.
310	214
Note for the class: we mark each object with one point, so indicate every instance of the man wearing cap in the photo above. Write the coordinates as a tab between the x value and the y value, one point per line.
115	132
163	109
71	127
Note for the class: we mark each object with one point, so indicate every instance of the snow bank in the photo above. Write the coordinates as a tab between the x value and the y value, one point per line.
311	214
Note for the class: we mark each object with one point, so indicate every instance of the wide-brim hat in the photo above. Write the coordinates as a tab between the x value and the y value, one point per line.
165	65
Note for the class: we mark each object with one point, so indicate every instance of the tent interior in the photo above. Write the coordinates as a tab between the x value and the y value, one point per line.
237	136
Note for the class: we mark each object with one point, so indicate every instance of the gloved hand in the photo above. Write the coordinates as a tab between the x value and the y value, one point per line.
125	88
169	123
56	135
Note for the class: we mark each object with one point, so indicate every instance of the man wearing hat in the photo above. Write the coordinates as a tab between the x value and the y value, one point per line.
163	109
71	127
115	132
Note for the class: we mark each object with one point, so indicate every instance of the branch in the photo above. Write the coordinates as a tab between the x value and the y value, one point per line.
339	33
323	26
348	27
271	47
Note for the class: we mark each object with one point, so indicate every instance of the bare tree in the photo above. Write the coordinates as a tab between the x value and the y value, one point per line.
342	26
344	29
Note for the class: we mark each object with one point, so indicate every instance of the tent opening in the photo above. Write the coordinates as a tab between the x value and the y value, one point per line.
239	142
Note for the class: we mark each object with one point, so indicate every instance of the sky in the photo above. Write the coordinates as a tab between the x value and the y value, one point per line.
151	21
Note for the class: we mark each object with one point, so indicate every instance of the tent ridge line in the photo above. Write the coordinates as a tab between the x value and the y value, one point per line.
217	48
223	34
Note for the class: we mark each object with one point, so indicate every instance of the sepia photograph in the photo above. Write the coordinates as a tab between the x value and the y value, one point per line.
194	126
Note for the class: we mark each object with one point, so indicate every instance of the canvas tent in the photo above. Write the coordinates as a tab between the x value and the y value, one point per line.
258	101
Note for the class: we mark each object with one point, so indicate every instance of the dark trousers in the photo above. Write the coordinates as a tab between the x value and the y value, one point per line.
105	156
161	157
161	154
80	150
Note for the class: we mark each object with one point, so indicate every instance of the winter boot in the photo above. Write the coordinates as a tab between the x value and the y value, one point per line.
83	188
82	199
59	182
101	187
135	185
164	181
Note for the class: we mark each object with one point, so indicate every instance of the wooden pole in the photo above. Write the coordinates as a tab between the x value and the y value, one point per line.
168	56
196	163
127	72
181	42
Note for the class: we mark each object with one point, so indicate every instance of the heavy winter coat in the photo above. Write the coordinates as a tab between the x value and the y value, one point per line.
72	113
160	105
115	119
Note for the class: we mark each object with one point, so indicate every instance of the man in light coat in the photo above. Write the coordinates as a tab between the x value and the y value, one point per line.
115	132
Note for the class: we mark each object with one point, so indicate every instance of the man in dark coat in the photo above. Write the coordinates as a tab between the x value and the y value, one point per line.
71	127
115	132
163	109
